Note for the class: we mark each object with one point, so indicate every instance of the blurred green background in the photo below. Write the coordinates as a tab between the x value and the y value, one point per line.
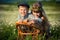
9	13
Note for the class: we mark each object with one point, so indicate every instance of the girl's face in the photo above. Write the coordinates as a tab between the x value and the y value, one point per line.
36	14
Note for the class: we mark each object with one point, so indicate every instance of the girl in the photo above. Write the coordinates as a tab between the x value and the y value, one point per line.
45	24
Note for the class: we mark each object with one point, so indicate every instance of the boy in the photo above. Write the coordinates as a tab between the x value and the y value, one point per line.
23	9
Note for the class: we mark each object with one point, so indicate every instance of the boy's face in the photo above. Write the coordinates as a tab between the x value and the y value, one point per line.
23	10
36	14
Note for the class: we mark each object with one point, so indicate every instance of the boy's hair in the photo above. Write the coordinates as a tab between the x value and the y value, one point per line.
23	4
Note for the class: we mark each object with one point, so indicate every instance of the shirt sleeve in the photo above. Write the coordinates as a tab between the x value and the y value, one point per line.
40	20
18	18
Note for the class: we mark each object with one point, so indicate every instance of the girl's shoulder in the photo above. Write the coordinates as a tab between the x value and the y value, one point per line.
30	17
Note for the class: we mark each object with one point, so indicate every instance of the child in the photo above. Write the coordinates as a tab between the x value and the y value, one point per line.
23	9
35	18
45	22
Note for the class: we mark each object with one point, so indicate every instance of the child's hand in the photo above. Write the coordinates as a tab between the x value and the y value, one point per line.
32	21
20	21
42	18
25	20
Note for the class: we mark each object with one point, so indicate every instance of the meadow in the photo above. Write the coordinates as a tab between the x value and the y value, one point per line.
8	17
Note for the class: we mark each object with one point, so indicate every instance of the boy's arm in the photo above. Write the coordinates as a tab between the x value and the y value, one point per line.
21	22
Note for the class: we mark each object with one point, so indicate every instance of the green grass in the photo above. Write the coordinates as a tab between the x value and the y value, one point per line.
9	32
